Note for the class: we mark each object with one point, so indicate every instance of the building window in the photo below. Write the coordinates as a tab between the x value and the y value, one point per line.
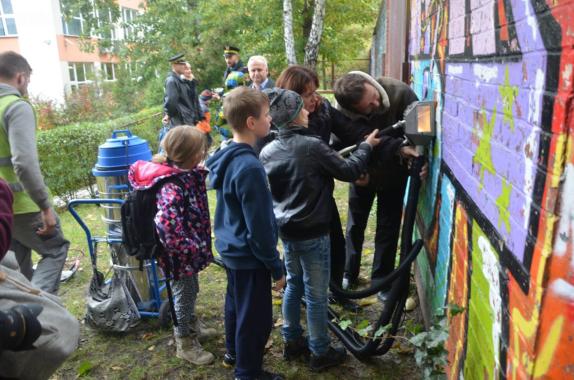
128	16
104	17
109	71
74	26
81	74
7	21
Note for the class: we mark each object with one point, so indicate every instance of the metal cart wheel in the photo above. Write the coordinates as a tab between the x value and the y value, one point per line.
164	315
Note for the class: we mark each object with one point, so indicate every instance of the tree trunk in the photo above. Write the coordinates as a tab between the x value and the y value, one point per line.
312	47
288	32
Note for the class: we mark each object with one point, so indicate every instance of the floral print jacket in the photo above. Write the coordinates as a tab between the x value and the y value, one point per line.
183	226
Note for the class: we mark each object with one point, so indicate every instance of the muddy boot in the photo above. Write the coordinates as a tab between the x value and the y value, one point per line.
189	348
203	332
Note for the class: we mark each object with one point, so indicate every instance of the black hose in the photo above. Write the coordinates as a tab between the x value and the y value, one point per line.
400	278
378	285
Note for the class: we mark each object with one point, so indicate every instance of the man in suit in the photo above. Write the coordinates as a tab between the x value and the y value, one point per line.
259	73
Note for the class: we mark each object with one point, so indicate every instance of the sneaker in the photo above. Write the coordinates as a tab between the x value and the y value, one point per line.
333	357
346	283
228	360
266	375
383	296
345	303
295	348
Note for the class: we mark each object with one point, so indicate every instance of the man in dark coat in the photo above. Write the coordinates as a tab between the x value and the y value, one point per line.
180	105
376	104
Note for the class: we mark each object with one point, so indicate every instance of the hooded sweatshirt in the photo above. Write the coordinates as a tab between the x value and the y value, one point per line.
245	227
183	226
20	126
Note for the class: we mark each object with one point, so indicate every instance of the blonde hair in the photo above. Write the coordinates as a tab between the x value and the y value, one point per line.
181	144
241	103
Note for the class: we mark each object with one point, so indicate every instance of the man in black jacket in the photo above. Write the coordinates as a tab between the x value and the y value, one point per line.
376	104
180	105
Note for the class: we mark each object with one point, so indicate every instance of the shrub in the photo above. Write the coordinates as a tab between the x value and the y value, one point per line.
68	153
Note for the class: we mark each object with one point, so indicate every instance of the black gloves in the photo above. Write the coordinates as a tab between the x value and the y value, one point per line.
19	327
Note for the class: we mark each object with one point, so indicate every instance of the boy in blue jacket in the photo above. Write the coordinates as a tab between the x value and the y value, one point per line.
246	234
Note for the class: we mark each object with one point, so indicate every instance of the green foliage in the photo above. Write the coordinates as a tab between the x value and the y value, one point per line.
85	368
200	29
363	328
67	154
430	351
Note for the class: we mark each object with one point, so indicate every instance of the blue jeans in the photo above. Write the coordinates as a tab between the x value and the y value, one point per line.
308	265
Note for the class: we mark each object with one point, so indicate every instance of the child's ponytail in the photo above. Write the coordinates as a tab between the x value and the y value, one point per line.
181	144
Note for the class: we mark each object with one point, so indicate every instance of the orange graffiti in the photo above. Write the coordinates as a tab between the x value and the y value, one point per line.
458	293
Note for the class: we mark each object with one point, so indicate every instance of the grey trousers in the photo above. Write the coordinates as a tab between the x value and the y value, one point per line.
52	249
60	329
184	295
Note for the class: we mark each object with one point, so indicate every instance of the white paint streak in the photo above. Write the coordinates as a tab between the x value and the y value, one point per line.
531	144
566	224
535	99
491	271
454	69
563	289
566	74
530	19
484	72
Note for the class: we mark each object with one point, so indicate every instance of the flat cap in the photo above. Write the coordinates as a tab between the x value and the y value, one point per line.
230	50
178	58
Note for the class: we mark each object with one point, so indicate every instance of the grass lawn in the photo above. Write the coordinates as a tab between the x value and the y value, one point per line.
148	352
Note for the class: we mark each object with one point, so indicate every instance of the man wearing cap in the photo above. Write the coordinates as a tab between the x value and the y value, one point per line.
233	61
179	106
259	73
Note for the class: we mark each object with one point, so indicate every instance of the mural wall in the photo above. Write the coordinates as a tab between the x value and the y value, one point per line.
497	212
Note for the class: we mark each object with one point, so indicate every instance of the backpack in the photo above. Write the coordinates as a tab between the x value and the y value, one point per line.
138	211
139	234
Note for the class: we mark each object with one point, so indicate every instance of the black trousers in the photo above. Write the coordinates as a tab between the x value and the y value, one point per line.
248	319
338	251
389	213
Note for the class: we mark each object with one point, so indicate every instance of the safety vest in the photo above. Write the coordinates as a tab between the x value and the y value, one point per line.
22	201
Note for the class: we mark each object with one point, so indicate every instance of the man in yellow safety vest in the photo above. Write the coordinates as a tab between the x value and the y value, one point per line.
36	225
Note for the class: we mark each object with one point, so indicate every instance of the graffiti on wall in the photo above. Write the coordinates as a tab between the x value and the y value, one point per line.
496	212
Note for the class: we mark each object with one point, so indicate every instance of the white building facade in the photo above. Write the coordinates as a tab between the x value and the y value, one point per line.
37	30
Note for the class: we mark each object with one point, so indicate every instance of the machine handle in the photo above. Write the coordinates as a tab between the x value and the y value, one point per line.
72	207
127	132
122	186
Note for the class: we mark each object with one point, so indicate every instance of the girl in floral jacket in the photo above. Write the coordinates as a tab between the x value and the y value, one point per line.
183	225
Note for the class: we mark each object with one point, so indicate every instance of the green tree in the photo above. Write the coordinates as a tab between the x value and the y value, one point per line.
200	29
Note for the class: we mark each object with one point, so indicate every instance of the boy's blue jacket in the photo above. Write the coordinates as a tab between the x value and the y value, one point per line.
245	227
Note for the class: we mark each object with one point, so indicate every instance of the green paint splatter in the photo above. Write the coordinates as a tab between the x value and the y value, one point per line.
508	94
481	360
483	155
503	204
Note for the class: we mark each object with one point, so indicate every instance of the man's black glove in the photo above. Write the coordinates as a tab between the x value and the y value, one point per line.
19	327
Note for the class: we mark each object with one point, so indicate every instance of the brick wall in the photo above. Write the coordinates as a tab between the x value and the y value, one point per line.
497	212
